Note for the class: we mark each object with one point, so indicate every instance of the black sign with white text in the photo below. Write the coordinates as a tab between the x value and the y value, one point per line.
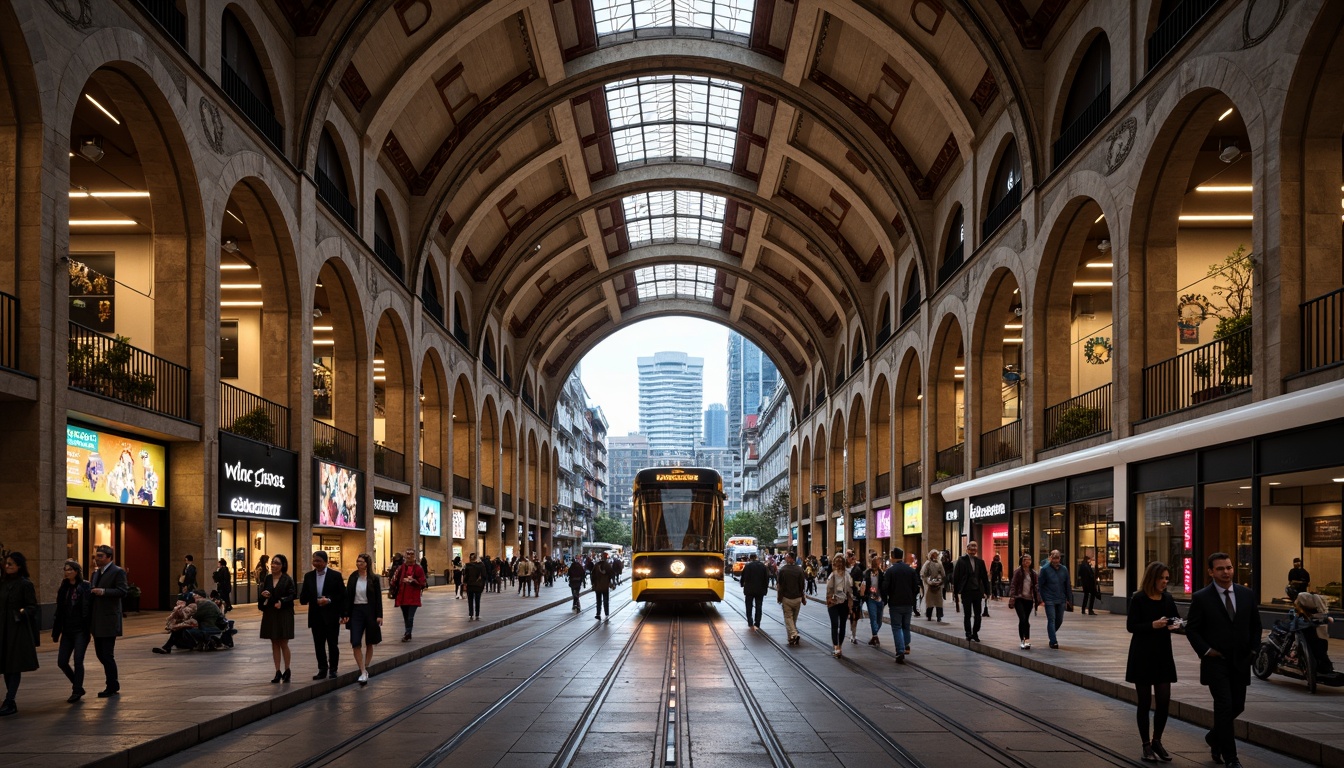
257	481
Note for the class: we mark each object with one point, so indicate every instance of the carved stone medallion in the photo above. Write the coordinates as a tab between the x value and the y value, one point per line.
1119	142
212	126
80	17
1260	20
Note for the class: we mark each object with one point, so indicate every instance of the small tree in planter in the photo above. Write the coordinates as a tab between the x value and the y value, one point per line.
1236	273
107	371
1074	424
255	424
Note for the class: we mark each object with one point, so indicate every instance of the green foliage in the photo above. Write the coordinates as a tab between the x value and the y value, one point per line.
1074	424
106	371
1202	369
758	524
611	531
778	506
325	449
255	424
1237	272
1237	350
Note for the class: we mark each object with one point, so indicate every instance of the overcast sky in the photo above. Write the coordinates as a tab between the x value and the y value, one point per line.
610	372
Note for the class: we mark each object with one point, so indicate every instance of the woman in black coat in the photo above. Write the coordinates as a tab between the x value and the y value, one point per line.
224	584
19	627
74	605
278	592
1151	666
363	614
1087	583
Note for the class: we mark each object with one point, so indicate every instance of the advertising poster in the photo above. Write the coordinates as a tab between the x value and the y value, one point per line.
257	481
459	524
93	287
431	517
113	469
883	523
860	528
337	498
1115	545
914	517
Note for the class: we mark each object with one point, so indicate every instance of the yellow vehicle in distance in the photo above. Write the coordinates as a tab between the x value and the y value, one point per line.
738	551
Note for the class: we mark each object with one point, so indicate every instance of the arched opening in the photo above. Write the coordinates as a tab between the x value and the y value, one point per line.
910	301
802	500
391	391
1089	98
509	487
433	397
1005	190
429	293
538	528
488	353
879	432
460	330
884	320
385	240
837	492
245	79
954	246
856	359
909	410
462	438
333	189
947	411
338	363
841	369
998	371
489	446
857	456
506	371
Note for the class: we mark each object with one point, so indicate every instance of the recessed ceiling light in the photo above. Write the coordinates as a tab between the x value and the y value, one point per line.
323	328
1101	264
103	222
1092	284
1225	114
1276	483
93	193
235	266
240	303
1338	479
959	368
1225	188
1098	219
1244	487
1217	217
240	286
324	342
1012	340
380	378
1012	326
101	108
377	361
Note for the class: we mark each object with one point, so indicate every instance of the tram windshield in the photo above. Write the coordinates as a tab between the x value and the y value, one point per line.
678	519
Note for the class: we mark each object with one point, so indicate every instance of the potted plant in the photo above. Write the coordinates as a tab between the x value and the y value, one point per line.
1203	371
255	424
1074	424
325	449
108	371
1236	273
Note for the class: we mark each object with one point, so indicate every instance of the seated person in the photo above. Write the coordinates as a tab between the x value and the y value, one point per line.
179	621
207	624
1310	608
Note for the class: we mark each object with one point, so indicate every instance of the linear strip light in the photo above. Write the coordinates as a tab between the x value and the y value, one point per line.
1098	219
240	286
235	266
234	215
240	303
1092	284
380	378
1225	188
959	368
1012	340
103	222
324	342
1012	326
1101	264
103	109
1225	114
1217	217
324	328
90	193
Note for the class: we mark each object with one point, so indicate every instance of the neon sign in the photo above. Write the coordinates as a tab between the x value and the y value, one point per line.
1188	536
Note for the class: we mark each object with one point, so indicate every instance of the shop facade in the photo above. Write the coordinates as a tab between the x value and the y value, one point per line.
258	513
338	514
386	511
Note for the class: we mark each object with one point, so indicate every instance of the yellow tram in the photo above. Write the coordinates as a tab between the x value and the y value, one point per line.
677	535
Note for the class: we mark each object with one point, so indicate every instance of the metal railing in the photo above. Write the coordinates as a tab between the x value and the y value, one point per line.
1322	330
1221	367
389	463
1074	134
249	415
334	198
167	16
858	493
884	332
1173	29
951	263
837	501
432	305
334	444
388	256
910	476
910	308
950	463
1078	417
251	105
882	486
807	509
431	477
487	496
1001	211
113	368
532	509
506	502
1002	444
9	331
462	488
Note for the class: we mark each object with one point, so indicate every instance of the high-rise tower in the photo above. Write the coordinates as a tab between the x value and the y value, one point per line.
751	378
671	388
716	426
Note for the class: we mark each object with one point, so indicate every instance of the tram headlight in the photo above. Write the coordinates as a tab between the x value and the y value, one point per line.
678	567
643	571
712	571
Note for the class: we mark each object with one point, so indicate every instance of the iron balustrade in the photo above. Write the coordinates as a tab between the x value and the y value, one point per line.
1323	330
858	493
1074	134
432	306
506	501
236	404
113	368
487	496
821	399
431	477
955	258
532	508
462	488
856	363
1217	369
334	444
528	401
335	199
807	509
460	334
1173	29
950	463
166	15
389	463
251	105
884	333
838	501
1002	444
388	256
1078	417
9	331
910	476
882	488
1002	210
910	308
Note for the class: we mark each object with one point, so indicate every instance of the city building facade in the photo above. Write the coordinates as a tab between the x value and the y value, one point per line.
671	389
751	378
716	426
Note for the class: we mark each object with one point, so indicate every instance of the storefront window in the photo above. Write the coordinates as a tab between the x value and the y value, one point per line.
1227	525
382	543
1090	519
1022	540
1168	521
1300	518
74	535
1048	533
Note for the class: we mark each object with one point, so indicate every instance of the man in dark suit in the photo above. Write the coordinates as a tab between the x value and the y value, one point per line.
900	588
109	586
1224	629
324	594
970	581
187	581
755	583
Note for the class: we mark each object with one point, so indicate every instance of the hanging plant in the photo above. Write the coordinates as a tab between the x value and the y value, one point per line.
1097	350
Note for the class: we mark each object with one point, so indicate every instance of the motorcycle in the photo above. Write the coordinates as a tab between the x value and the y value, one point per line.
1287	652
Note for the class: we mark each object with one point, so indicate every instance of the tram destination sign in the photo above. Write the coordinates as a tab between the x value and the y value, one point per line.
257	481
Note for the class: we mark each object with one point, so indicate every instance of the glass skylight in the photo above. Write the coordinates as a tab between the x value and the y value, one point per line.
682	216
677	117
683	281
615	16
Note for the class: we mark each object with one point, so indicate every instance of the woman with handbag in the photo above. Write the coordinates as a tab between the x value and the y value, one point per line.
1150	665
874	586
1024	593
408	581
839	601
278	592
363	614
933	575
19	617
74	605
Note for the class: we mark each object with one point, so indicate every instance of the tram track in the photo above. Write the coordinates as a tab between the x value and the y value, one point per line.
778	755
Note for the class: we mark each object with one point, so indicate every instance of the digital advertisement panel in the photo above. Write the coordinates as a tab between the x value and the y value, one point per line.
459	524
339	490
431	517
860	527
257	481
883	523
914	517
113	469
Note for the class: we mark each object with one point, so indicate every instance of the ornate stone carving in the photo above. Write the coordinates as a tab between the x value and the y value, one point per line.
1260	20
212	126
81	19
1119	142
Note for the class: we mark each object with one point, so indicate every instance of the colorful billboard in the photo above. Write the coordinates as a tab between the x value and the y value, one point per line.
339	490
883	523
431	517
914	518
257	481
459	524
106	468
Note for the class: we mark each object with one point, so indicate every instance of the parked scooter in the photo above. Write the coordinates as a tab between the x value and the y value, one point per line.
1287	651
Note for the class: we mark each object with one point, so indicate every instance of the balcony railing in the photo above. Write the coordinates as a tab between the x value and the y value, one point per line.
506	502
112	368
950	463
335	199
858	493
952	263
1217	369
1075	133
807	510
249	415
1173	29
1002	210
9	331
166	15
1002	444
253	108
388	255
1322	331
334	444
431	477
882	487
884	332
838	501
462	488
910	308
1078	417
532	509
487	496
910	476
389	463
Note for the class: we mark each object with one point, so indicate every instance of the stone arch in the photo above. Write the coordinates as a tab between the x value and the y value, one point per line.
434	408
879	440
908	422
947	398
257	39
1074	95
994	401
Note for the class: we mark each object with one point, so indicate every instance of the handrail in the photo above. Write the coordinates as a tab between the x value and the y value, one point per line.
334	444
1074	134
949	463
1078	417
955	258
462	487
910	307
237	405
1003	209
387	254
389	463
910	476
335	198
1173	29
9	331
166	15
431	477
1217	369
111	367
1323	330
882	487
1001	444
251	105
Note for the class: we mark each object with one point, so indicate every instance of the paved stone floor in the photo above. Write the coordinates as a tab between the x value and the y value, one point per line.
170	704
